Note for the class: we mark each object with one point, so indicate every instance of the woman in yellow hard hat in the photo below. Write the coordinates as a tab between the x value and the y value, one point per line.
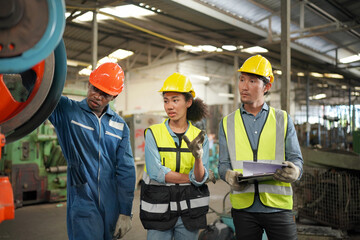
174	196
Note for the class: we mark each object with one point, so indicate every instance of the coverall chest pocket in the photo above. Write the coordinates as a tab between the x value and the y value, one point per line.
155	203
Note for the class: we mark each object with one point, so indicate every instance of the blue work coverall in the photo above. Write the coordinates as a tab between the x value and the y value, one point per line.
101	171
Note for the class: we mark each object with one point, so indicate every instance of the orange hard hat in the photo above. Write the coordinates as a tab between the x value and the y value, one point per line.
109	78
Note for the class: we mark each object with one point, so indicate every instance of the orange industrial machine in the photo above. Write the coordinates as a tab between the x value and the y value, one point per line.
33	69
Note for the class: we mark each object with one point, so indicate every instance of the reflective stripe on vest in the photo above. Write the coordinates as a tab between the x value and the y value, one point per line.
177	158
271	150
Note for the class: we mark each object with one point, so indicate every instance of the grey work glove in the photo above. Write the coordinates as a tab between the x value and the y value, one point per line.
196	145
123	225
288	174
231	178
211	177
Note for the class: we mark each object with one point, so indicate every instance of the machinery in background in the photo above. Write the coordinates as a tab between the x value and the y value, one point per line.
32	55
36	167
137	124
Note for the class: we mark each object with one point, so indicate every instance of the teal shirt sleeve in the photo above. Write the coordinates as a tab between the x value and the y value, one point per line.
152	159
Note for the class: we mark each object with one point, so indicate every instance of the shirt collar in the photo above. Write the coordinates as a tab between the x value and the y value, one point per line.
171	131
83	104
265	107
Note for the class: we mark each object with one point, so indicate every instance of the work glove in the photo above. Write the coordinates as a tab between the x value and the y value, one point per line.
231	177
196	145
211	177
123	225
288	174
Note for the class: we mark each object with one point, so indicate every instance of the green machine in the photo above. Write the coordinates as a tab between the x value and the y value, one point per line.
36	167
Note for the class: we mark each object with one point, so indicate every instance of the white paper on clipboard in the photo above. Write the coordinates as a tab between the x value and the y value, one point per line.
258	171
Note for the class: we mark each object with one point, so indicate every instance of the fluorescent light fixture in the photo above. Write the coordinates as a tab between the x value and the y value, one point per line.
208	48
301	74
343	87
355	93
106	59
226	95
333	75
192	48
85	72
278	72
315	74
255	49
76	63
219	50
357	88
203	78
127	11
89	17
121	54
322	85
67	14
350	59
229	47
318	96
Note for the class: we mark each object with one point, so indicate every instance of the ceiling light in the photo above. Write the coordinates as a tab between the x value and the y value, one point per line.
106	59
355	93
255	49
219	50
89	17
318	96
208	48
333	75
192	48
127	11
278	72
85	72
350	59
153	8
315	74
159	10
229	47
226	95
300	74
343	87
357	88
121	54
142	4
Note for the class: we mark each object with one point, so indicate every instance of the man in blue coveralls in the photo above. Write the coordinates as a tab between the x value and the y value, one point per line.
101	172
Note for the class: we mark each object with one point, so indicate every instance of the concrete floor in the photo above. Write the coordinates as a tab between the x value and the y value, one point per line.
48	221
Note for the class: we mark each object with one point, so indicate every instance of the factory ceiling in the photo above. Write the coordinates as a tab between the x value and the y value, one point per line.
323	33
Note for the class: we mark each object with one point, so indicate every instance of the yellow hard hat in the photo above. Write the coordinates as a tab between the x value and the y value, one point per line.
177	82
258	65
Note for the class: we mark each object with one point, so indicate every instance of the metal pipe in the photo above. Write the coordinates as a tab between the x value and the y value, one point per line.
94	49
307	109
57	169
285	55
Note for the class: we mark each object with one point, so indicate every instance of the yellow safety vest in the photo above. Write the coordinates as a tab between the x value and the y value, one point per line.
162	203
177	158
271	148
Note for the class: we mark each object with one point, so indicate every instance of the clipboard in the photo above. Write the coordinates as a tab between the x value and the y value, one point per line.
258	177
259	171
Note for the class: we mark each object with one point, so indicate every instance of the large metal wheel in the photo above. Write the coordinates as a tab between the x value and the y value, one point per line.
46	92
30	31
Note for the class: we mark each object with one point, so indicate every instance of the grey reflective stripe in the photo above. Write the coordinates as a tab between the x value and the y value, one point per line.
183	205
199	202
280	131
282	190
149	181
231	141
154	208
